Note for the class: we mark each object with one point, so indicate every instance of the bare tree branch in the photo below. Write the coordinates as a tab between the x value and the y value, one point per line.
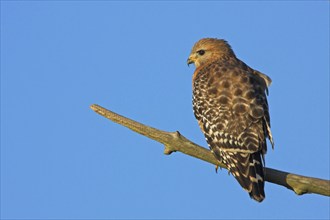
174	141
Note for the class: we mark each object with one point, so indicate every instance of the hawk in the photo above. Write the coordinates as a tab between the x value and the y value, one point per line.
230	104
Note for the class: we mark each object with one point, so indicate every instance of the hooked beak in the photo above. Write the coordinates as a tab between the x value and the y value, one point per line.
190	60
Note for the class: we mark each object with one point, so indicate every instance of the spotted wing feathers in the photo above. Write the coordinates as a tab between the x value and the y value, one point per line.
231	106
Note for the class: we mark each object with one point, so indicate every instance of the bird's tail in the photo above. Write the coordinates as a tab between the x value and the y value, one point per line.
249	172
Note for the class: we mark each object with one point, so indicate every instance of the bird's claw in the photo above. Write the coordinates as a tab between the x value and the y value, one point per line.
216	168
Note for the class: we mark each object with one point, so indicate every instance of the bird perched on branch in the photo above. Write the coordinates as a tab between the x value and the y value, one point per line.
230	104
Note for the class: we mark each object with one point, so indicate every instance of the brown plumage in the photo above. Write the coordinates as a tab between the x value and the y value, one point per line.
230	104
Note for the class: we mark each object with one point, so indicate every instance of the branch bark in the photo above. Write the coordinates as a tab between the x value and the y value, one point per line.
174	141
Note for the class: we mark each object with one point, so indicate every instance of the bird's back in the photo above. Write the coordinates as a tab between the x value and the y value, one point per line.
230	104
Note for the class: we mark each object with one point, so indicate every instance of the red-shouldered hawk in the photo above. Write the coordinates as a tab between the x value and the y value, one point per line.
230	104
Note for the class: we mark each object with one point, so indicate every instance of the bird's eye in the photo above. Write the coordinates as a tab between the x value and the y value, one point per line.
201	52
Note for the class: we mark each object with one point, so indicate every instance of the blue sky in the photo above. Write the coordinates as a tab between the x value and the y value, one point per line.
61	160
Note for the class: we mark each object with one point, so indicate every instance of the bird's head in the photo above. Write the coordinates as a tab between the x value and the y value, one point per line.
208	50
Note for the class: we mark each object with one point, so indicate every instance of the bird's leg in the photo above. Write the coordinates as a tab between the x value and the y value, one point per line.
219	158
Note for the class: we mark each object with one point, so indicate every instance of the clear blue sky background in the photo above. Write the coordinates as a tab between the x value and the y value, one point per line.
61	160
